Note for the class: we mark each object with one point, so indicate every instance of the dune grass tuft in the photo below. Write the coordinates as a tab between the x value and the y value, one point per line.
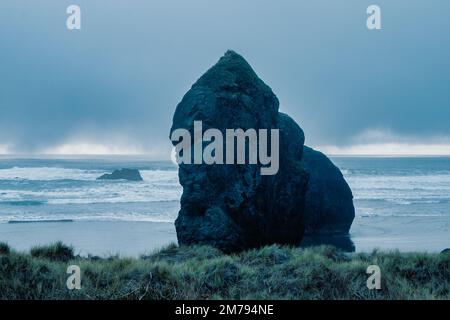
56	252
202	272
4	248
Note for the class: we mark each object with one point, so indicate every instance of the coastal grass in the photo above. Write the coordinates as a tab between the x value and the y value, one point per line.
55	252
4	248
202	272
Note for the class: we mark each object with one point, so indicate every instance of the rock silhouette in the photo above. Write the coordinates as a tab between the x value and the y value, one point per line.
123	174
329	201
234	207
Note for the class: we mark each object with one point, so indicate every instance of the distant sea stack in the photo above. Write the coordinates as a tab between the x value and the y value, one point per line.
234	207
123	174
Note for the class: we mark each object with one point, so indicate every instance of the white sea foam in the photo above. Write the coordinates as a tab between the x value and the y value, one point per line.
52	173
117	193
47	174
168	217
158	185
401	189
49	193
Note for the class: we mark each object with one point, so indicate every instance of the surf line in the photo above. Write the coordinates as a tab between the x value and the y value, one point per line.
39	221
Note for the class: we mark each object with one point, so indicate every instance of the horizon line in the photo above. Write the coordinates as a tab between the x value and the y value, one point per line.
155	158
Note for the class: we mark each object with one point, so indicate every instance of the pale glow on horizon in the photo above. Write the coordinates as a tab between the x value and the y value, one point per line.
92	149
160	152
157	152
388	149
374	149
4	149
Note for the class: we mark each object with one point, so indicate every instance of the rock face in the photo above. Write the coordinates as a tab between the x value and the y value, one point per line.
329	200
234	207
123	174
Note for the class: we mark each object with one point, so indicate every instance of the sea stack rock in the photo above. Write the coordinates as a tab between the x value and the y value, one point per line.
123	174
235	207
329	206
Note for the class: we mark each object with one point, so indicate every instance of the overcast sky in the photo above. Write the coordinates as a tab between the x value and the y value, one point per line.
112	87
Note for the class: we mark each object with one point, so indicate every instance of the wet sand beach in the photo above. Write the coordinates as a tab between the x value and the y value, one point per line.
431	234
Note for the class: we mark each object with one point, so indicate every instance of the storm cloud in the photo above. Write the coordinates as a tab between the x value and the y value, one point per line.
114	85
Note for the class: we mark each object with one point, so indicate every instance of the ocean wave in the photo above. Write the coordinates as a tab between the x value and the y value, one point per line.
103	193
399	215
39	221
407	190
404	201
48	174
168	217
44	186
106	200
60	174
23	203
403	177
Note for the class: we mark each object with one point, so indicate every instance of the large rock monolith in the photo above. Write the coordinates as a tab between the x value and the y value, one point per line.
234	207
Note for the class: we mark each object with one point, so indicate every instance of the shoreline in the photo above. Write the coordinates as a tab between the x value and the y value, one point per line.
133	239
127	239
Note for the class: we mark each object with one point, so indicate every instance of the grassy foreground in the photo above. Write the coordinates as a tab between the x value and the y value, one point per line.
200	272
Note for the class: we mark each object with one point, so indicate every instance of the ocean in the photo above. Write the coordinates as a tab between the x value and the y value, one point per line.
401	202
52	189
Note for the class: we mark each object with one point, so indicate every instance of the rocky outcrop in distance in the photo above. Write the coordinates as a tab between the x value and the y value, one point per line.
123	174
